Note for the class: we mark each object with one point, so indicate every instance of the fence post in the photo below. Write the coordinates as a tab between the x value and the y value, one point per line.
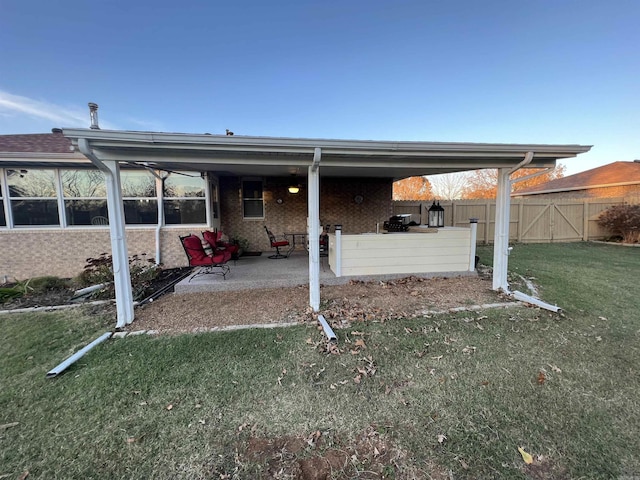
474	239
585	220
520	215
487	222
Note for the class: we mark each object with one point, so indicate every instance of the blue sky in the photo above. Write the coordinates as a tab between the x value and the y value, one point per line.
544	71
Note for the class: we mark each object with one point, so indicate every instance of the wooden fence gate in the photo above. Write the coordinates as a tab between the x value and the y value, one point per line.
531	220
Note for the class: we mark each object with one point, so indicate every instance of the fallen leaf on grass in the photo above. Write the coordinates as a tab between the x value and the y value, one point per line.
169	407
469	350
554	368
24	475
357	378
131	440
9	425
360	343
541	377
439	357
441	438
528	459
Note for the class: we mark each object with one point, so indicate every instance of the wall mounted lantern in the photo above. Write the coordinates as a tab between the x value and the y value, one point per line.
436	215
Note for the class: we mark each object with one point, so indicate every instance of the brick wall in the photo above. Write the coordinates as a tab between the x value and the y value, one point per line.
63	252
337	206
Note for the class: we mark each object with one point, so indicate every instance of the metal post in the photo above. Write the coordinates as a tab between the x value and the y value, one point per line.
501	235
338	254
472	248
119	251
313	217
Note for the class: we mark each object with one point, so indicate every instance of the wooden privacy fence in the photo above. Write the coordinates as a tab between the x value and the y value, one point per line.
531	221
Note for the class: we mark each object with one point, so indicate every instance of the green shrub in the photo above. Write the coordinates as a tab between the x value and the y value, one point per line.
48	284
15	291
623	221
99	270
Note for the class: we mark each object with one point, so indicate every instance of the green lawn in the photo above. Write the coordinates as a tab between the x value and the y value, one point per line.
451	393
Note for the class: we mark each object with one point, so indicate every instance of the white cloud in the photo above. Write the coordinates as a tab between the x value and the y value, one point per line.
16	105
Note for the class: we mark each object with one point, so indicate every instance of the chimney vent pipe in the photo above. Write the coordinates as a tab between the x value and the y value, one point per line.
93	112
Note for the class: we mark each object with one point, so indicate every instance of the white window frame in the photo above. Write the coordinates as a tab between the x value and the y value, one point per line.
243	198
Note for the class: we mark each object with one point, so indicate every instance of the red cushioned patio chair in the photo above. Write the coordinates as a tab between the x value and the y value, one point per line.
277	244
209	264
215	240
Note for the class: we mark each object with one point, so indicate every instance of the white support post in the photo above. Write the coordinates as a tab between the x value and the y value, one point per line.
313	217
474	239
338	253
119	251
501	234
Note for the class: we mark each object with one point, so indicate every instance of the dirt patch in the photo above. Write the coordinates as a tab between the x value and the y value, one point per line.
355	301
324	456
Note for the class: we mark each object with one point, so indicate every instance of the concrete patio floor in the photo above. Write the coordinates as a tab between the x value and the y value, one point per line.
262	272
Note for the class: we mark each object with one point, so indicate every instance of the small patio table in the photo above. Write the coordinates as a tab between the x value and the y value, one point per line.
300	236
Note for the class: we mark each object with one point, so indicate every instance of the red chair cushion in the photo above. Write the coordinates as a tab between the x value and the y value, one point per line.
195	251
281	243
210	238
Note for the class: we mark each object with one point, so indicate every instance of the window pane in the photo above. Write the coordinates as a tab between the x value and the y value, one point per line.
253	208
184	186
252	189
3	221
140	212
31	183
83	183
184	211
86	212
35	212
137	184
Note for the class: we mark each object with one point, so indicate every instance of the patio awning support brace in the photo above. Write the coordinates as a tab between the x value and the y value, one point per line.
501	248
119	251
313	215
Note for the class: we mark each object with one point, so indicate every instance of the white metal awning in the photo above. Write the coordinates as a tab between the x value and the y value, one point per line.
275	156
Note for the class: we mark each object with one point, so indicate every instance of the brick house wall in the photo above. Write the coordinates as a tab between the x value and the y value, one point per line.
28	253
337	206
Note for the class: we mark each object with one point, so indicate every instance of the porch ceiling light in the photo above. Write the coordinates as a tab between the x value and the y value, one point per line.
294	187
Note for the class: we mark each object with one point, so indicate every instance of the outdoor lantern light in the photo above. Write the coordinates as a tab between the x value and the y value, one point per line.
436	215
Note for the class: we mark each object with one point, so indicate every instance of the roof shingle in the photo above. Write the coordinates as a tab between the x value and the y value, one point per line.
611	174
35	143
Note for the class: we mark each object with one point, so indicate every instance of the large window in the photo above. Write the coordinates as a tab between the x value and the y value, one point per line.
252	202
184	199
33	197
139	197
85	197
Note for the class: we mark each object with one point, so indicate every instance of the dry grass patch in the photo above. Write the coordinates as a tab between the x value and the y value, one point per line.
357	300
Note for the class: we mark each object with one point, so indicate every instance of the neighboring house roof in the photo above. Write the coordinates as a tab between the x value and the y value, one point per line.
611	175
53	142
39	150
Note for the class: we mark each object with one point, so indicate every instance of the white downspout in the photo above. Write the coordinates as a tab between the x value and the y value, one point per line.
313	182
119	251
501	234
160	199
